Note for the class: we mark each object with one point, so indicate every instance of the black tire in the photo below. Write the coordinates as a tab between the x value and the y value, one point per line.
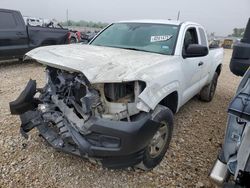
165	115
72	40
208	91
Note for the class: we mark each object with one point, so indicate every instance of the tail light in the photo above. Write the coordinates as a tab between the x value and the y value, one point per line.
78	34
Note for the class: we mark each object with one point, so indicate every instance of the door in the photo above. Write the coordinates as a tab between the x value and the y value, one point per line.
206	64
13	35
190	66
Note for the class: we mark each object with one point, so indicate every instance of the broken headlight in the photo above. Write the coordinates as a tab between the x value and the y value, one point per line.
125	92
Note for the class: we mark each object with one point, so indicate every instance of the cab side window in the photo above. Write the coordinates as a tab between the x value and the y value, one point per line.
191	37
7	20
203	37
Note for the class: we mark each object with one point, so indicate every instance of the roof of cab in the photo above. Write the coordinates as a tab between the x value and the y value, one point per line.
160	21
156	21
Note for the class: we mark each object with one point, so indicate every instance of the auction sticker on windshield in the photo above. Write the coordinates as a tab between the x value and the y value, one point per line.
160	38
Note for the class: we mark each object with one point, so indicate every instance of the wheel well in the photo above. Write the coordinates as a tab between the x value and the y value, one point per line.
73	37
218	69
171	101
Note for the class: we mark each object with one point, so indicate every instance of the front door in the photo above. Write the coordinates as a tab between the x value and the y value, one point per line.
191	66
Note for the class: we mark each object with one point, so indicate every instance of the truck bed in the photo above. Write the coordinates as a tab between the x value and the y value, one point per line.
16	38
42	36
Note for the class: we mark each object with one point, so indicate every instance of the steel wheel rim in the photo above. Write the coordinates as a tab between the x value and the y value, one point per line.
159	139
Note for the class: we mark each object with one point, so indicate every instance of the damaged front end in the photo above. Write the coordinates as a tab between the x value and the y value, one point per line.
95	121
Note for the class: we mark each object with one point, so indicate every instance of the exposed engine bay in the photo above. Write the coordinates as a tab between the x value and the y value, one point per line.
116	101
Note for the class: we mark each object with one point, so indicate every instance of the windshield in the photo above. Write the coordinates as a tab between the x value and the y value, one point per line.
155	38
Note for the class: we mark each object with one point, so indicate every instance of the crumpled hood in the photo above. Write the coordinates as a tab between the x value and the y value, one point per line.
100	64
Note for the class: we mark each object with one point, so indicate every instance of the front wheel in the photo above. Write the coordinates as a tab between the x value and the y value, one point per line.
159	144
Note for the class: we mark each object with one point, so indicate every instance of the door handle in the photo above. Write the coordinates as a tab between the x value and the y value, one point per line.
200	63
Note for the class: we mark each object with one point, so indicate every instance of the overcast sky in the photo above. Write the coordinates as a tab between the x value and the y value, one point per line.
219	16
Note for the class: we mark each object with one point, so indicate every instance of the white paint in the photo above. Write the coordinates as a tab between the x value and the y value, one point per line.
163	74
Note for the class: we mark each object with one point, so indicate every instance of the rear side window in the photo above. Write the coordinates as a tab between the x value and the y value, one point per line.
7	20
203	37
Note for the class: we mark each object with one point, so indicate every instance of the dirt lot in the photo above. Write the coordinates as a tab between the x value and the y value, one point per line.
199	129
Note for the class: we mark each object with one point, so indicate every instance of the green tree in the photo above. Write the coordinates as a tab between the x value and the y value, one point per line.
238	32
83	23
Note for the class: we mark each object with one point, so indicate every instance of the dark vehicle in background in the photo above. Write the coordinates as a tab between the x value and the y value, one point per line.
88	36
74	37
214	44
234	157
16	38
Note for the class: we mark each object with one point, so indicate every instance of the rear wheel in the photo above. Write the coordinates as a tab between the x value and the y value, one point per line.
72	40
207	92
159	144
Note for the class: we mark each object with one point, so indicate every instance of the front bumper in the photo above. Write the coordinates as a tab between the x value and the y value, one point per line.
115	144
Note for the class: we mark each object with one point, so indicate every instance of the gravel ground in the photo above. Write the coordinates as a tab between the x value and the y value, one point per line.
199	129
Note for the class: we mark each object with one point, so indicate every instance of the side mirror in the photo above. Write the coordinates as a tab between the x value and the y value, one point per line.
195	50
240	60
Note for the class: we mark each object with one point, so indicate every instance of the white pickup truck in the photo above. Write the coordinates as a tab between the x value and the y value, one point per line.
113	99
